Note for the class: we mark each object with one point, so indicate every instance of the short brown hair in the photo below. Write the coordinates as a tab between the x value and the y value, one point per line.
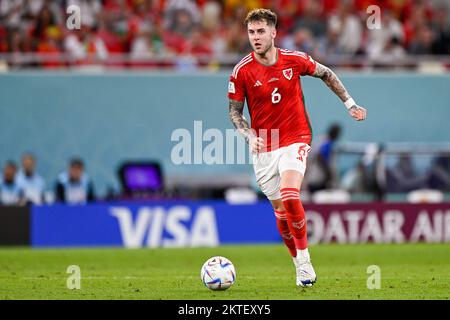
261	14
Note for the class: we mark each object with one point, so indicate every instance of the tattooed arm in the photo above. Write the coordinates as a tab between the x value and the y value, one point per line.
236	114
333	82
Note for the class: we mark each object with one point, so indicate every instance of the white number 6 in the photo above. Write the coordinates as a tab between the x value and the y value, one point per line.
276	97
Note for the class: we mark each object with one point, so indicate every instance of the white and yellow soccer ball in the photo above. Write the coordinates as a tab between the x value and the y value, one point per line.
218	273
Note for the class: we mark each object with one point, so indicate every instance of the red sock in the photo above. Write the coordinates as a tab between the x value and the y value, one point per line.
295	216
286	235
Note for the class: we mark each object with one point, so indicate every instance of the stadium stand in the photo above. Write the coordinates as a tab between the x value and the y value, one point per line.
209	33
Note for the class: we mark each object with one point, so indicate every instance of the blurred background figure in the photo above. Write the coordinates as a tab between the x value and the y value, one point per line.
347	26
403	176
300	40
74	185
439	174
90	10
441	29
10	191
29	181
11	12
391	28
355	179
375	170
390	53
321	173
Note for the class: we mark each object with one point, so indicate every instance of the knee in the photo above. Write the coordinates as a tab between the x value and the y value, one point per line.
278	205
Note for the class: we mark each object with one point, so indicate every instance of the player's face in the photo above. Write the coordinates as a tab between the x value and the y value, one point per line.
28	164
75	173
9	172
261	36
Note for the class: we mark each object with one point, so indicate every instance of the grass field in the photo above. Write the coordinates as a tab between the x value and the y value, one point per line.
409	271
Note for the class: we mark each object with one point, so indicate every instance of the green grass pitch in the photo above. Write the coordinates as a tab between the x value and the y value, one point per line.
408	271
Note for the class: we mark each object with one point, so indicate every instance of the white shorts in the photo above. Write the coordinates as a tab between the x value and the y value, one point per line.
269	166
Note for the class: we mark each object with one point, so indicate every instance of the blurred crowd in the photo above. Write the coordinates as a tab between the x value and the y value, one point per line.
373	175
208	29
24	185
376	171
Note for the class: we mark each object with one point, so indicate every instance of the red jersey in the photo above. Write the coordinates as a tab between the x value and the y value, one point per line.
274	96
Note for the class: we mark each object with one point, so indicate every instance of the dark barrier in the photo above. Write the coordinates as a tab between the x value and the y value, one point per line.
14	225
210	223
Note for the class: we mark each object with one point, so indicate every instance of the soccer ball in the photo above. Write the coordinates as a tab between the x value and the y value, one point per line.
218	273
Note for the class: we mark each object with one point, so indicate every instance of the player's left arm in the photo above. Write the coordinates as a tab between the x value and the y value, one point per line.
335	84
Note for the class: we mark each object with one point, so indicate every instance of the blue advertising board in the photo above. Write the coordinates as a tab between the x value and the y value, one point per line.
211	223
153	224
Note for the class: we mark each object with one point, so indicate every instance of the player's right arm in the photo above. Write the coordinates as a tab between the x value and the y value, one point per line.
236	114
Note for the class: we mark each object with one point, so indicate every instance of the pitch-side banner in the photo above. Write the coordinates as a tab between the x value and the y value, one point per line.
210	223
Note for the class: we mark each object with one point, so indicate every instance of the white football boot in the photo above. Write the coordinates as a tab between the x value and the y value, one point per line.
306	276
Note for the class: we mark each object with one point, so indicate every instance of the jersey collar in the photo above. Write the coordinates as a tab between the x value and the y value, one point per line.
267	65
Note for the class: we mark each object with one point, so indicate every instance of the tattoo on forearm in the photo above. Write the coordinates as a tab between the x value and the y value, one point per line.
235	112
332	81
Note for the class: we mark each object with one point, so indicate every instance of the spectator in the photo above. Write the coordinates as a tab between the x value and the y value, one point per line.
140	21
86	46
113	41
441	28
33	8
116	13
380	39
10	191
199	45
423	43
212	26
392	53
11	12
49	49
4	45
74	186
182	23
415	19
439	175
403	177
355	179
180	14
328	47
46	19
237	39
16	41
90	9
211	16
301	40
374	167
287	11
140	28
311	20
348	28
29	181
322	175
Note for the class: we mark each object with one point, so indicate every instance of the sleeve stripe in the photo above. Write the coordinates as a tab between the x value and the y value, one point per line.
242	60
240	64
291	51
237	71
298	54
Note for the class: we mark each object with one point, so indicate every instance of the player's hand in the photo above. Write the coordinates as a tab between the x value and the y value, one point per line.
357	112
256	143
